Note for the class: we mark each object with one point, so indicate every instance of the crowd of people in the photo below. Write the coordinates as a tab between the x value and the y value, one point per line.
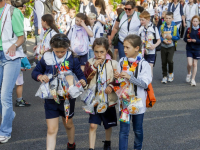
97	51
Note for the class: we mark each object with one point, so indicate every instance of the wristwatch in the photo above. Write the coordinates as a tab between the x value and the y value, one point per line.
16	44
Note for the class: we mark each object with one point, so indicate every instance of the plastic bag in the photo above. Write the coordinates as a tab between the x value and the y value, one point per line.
44	90
88	96
67	109
125	117
90	108
135	105
53	90
76	89
102	107
60	90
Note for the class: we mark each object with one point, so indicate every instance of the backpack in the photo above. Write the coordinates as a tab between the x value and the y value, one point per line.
47	6
121	15
151	99
174	31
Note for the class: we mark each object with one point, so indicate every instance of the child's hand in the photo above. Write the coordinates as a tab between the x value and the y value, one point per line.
116	74
83	83
34	48
193	40
169	37
98	62
108	90
152	47
165	41
43	78
125	75
189	40
82	23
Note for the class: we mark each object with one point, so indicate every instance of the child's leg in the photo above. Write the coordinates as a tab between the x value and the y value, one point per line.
52	125
164	61
70	79
70	129
151	69
19	91
108	134
92	135
189	65
194	71
170	59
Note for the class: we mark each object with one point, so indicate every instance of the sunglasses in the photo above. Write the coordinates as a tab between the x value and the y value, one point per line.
129	9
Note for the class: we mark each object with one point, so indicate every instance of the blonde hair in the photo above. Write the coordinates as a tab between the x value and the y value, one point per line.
92	16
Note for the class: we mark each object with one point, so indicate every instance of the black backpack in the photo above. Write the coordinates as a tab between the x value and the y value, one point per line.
48	9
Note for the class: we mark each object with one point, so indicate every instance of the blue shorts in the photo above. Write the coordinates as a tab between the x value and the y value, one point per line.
83	59
193	54
54	110
109	118
150	58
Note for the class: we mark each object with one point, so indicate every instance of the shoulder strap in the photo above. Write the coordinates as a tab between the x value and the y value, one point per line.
175	31
120	16
138	15
135	86
125	21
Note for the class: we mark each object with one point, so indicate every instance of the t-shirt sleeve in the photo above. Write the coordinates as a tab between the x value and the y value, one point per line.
18	22
157	33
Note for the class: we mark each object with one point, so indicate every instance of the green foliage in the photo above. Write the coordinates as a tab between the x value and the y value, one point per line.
115	3
29	9
74	4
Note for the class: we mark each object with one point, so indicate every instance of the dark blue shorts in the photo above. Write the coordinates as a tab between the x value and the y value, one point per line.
54	110
109	118
83	59
150	58
193	54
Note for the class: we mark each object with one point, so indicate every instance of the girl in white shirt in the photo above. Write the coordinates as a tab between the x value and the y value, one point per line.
49	29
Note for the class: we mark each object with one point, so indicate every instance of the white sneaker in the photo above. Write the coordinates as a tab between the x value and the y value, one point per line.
164	80
4	139
171	77
188	78
193	83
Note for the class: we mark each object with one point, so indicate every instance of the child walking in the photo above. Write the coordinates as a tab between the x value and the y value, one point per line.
192	38
51	63
169	36
99	72
49	29
134	71
150	37
78	35
97	32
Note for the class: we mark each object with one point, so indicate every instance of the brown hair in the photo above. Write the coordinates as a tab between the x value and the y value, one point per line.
190	29
134	40
169	14
145	14
50	21
84	18
132	3
119	11
103	42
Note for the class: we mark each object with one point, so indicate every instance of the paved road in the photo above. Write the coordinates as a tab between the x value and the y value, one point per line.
173	123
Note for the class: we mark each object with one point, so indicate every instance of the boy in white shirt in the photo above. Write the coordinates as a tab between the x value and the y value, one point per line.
97	31
150	38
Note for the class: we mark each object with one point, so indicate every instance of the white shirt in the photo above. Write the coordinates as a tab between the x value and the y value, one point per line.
190	10
48	38
56	5
150	32
39	10
151	9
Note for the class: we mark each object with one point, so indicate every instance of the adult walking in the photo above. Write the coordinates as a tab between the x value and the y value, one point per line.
126	23
87	7
11	38
177	10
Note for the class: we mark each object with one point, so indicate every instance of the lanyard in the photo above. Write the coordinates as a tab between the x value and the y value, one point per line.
100	71
3	11
59	66
45	35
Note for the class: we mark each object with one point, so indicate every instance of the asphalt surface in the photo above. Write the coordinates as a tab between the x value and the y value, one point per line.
172	124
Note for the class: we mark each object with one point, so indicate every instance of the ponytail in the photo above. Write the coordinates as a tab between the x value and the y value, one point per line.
50	21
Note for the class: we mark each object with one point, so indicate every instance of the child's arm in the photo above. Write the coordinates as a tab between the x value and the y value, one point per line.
89	32
185	37
177	37
161	38
38	70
